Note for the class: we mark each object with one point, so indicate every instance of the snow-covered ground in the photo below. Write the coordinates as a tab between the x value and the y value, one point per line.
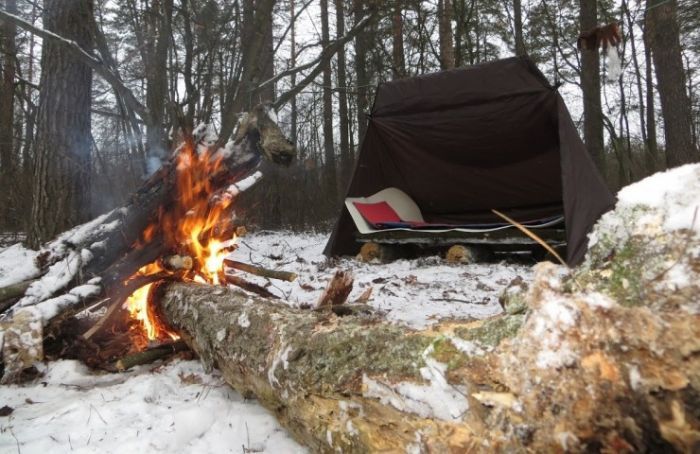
179	407
412	292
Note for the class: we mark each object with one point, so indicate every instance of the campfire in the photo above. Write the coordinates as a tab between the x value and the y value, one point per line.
178	227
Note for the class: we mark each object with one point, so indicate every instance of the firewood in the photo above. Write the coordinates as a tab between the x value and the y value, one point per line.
260	271
248	286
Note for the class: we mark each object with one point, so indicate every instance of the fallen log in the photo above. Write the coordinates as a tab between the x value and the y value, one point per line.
576	372
310	369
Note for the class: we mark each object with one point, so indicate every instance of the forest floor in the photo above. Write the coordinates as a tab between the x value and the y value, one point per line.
177	405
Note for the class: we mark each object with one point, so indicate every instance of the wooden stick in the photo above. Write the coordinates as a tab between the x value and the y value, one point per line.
249	286
150	355
532	235
260	271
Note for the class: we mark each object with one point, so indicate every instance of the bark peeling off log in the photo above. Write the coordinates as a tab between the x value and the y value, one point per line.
316	371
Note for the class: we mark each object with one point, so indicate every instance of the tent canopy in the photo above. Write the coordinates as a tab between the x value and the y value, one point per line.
468	140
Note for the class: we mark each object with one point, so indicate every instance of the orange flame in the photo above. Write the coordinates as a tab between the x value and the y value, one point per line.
192	227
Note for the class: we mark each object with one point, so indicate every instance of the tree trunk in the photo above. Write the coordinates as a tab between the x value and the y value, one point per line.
362	43
7	100
666	51
648	157
590	85
447	51
293	63
518	26
651	159
330	172
398	66
61	193
343	117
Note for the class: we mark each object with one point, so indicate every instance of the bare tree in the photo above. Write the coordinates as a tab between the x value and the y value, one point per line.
8	31
398	65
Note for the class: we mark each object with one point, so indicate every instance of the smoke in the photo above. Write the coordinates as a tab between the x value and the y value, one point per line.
153	163
614	66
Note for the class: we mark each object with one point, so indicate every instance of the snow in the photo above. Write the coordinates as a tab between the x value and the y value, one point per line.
437	399
57	277
416	293
671	197
174	408
17	264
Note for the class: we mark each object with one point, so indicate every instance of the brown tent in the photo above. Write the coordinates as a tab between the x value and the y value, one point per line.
465	141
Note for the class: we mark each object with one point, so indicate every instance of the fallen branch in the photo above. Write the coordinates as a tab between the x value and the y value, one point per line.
249	286
260	271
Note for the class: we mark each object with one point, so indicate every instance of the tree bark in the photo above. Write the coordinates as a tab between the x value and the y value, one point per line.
362	43
158	43
61	192
664	32
518	26
651	144
590	85
398	66
7	99
343	116
447	51
329	166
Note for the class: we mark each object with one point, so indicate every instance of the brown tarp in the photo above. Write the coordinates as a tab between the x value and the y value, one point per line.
465	141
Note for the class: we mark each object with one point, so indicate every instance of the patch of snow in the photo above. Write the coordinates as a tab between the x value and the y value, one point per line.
17	264
56	278
416	293
438	399
174	408
597	299
85	291
280	358
243	320
467	347
221	335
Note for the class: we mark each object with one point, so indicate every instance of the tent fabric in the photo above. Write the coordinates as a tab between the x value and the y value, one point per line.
465	141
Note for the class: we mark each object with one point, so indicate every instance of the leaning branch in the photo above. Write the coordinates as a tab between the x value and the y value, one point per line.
90	60
318	64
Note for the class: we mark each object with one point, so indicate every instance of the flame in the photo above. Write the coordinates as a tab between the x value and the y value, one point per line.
192	227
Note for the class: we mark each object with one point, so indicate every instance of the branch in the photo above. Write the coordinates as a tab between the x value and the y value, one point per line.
319	62
81	54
